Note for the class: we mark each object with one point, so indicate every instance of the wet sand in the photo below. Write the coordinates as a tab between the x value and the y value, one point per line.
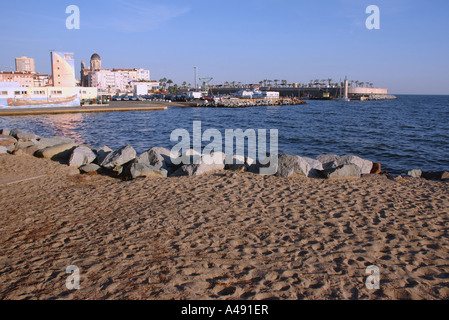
223	235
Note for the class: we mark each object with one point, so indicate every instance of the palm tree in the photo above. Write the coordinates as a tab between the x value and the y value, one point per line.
169	82
329	81
276	82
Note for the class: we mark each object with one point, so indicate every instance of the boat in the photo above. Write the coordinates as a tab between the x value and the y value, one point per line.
14	102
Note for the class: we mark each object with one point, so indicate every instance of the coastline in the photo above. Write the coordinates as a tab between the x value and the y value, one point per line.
220	234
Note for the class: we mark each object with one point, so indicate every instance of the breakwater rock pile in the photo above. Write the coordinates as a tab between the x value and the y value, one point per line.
243	103
381	97
125	163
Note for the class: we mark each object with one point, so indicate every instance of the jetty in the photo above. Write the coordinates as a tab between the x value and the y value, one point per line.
82	109
243	103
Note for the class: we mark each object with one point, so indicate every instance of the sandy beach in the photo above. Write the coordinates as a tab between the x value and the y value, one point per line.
222	235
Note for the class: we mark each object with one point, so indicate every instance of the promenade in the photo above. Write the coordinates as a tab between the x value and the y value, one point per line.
113	107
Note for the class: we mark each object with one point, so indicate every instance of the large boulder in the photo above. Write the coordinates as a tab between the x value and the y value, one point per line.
436	175
289	165
365	165
5	132
119	157
43	143
208	163
344	171
7	140
415	173
238	163
136	170
327	160
30	151
58	152
81	156
24	145
159	158
377	168
90	168
314	167
23	135
102	153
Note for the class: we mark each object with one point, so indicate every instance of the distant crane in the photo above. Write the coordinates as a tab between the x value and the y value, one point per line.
206	82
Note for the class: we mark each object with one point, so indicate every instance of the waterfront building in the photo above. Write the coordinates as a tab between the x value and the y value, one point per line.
111	81
144	87
41	80
24	79
25	64
257	94
108	81
63	69
12	95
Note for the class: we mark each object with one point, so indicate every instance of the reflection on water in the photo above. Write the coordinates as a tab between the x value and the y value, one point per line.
67	125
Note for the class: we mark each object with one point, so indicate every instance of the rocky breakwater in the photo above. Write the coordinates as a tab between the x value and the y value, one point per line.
126	164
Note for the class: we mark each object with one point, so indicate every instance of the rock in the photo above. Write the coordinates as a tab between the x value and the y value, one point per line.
364	165
344	171
119	157
377	168
5	132
315	167
137	170
159	158
43	143
416	173
436	175
23	135
89	168
30	151
3	150
197	169
238	163
6	140
57	152
289	165
24	145
81	156
188	157
102	153
327	160
10	147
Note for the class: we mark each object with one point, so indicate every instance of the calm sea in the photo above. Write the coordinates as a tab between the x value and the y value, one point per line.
408	133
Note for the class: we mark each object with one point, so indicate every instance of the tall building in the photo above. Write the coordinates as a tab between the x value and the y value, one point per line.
24	64
63	69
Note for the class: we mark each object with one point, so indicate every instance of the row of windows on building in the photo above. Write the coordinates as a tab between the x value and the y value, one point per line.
18	93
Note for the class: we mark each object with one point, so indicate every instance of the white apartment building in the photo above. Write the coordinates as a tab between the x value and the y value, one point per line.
116	79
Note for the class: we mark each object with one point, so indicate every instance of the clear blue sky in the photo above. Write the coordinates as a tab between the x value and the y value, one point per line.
246	40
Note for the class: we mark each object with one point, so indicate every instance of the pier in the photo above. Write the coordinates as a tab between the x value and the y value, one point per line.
154	106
